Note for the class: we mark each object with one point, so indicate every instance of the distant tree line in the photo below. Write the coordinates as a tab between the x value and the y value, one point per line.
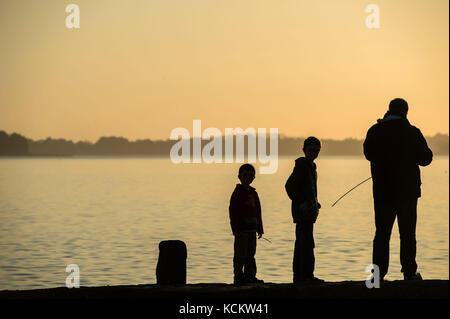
16	144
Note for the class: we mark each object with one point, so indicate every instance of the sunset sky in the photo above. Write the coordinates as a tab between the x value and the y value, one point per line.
139	68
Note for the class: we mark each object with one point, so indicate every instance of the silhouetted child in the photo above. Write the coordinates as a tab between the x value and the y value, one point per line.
246	222
301	188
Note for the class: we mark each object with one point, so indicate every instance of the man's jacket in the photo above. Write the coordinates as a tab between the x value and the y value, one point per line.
395	150
245	210
301	187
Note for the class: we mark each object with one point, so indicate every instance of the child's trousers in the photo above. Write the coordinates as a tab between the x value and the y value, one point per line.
304	260
244	255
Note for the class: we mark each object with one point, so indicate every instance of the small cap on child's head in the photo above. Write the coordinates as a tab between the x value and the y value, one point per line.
246	168
311	141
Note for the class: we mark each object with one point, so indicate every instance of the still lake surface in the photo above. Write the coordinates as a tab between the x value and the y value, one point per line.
108	214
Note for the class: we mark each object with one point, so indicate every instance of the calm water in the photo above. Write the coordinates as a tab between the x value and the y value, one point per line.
108	215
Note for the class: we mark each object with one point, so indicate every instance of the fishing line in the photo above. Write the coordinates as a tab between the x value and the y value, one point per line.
350	191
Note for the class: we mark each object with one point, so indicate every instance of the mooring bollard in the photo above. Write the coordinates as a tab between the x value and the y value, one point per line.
171	267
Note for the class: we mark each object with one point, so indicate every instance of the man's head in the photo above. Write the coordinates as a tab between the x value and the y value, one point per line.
246	174
311	147
398	107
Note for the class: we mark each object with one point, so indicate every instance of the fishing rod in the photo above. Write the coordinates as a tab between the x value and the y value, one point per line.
266	239
350	191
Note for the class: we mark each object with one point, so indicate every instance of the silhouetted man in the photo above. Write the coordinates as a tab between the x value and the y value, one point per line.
395	150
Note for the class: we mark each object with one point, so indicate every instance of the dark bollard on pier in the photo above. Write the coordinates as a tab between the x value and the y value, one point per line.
171	267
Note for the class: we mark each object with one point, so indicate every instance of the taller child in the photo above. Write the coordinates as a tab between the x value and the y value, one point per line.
301	188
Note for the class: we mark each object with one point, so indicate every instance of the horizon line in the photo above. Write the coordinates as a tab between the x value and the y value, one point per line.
281	136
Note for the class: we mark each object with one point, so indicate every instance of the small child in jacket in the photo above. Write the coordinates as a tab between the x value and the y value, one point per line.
246	222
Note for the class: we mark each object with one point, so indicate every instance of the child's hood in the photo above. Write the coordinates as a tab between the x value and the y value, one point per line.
303	161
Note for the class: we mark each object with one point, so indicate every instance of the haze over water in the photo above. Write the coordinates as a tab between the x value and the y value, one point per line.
108	215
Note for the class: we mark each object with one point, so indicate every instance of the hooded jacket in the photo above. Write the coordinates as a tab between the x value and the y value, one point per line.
395	149
301	186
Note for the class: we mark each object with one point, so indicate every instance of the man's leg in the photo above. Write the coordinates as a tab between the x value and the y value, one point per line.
407	219
250	263
296	261
384	220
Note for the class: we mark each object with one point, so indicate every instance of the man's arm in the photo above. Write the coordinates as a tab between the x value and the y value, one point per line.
424	153
370	147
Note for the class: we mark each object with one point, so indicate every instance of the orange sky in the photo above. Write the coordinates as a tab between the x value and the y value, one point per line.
139	68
